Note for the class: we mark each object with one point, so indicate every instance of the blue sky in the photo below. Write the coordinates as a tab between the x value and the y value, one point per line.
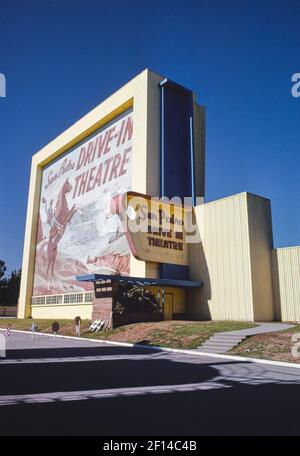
61	58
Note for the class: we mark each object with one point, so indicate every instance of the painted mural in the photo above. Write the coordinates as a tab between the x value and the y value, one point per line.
77	234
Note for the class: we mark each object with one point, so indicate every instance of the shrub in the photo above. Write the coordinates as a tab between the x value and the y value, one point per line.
135	298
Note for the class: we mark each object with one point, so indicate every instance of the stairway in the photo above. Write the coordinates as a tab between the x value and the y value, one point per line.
221	342
224	341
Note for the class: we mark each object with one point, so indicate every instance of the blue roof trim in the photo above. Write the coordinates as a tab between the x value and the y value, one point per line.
143	280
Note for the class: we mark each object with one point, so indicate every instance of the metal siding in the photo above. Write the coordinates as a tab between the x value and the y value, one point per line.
222	260
261	244
286	283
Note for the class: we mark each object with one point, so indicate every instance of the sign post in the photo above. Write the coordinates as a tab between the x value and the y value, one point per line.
77	326
33	329
8	331
55	328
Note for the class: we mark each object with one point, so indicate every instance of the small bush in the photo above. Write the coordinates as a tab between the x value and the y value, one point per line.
135	298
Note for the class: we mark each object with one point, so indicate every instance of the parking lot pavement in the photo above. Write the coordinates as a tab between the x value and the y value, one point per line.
23	340
77	387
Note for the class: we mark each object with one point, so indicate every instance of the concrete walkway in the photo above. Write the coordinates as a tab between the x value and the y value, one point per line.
224	341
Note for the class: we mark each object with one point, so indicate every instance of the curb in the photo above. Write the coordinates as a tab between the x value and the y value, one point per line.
170	350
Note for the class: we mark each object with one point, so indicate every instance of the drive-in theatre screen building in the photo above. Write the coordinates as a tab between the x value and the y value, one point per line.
90	185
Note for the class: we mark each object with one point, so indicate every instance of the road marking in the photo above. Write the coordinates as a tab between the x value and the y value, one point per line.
69	396
75	359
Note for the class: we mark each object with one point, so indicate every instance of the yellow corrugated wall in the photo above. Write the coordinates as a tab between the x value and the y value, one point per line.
222	261
286	283
261	245
233	260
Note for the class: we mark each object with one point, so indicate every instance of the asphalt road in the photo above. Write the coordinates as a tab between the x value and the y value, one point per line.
76	387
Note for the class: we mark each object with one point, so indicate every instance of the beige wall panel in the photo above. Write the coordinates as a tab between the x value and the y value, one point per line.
179	300
146	149
63	312
222	261
286	283
152	270
153	135
24	309
261	244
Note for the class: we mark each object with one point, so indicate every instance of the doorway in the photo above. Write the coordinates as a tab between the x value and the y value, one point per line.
168	306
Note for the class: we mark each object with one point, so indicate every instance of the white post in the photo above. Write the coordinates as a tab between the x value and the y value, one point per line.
110	321
78	329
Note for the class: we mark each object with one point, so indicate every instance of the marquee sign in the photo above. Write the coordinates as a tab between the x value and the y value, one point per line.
155	229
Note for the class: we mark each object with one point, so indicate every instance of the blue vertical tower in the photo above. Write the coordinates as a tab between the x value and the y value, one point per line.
182	154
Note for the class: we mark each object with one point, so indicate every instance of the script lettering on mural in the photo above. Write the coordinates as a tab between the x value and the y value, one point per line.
76	234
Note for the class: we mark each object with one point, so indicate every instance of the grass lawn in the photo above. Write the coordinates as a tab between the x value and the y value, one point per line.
173	334
67	326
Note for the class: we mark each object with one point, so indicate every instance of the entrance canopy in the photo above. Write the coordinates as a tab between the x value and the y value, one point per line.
140	280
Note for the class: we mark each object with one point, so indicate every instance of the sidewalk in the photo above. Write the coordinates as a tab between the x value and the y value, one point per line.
222	342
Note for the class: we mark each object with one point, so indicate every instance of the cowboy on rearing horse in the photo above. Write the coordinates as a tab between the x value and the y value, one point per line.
58	222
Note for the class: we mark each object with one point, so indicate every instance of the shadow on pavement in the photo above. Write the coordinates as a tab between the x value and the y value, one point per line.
65	352
239	410
90	375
